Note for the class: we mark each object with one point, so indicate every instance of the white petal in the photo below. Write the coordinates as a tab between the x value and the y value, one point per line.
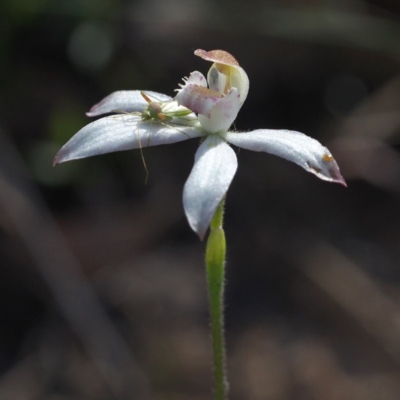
293	146
214	168
222	114
125	100
122	132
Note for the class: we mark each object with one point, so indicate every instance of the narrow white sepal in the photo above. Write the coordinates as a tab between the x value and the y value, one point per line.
125	100
214	168
122	132
293	146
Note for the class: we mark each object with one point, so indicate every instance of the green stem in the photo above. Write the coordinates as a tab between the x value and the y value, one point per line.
215	264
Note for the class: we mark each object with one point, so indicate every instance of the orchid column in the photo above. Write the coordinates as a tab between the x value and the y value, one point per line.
203	108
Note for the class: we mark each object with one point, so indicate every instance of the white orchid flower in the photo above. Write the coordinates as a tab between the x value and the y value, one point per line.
150	118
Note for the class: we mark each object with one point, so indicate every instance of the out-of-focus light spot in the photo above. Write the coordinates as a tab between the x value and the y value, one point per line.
90	46
343	93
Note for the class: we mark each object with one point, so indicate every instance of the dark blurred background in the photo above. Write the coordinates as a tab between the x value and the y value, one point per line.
102	286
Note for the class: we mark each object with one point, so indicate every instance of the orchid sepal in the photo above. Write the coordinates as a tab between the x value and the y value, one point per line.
122	132
214	168
292	146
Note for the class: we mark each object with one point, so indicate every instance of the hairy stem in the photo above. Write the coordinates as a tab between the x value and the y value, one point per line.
215	264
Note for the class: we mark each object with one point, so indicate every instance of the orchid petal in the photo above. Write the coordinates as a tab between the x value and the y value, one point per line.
222	114
125	100
122	132
292	146
214	168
